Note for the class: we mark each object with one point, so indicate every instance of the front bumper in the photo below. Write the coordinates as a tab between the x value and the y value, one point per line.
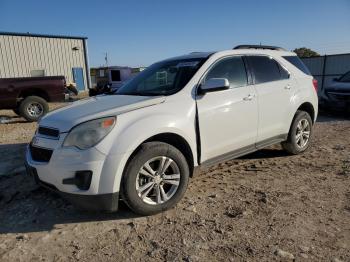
103	202
103	192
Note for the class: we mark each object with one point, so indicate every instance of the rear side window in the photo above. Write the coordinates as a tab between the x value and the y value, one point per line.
296	61
232	69
265	69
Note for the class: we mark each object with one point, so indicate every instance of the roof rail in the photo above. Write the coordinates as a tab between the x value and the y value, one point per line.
260	47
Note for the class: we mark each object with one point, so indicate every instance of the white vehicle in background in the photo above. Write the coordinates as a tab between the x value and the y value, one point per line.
143	142
109	79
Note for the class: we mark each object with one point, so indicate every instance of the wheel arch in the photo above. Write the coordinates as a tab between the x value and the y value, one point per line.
173	139
309	108
34	92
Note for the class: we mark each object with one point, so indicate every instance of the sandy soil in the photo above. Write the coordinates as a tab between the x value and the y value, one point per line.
266	206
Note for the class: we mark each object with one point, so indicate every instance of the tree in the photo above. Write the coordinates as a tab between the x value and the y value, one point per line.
305	52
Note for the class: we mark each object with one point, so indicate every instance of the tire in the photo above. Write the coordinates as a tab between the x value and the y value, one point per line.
32	108
134	183
296	143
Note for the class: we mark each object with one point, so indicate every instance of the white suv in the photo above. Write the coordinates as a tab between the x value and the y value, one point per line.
142	143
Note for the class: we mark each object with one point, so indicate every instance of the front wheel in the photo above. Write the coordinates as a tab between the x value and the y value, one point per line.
299	134
155	179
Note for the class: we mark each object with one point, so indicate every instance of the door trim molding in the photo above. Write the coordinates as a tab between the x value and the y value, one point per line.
244	150
271	141
228	156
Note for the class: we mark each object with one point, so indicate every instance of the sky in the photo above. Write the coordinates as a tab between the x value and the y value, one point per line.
138	33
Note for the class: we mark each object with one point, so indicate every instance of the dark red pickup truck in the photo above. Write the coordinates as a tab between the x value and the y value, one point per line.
28	96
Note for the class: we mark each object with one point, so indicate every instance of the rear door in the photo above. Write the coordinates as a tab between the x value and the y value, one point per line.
227	119
274	93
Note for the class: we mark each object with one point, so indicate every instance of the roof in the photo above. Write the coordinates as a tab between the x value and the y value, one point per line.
42	35
240	51
250	51
277	48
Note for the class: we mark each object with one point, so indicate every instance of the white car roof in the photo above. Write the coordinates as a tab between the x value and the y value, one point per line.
257	52
242	51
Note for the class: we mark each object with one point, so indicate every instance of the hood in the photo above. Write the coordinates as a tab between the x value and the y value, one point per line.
95	107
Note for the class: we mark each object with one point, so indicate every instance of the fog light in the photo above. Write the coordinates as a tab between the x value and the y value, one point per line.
82	180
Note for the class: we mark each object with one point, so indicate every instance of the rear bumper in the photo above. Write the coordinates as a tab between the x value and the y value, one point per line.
100	202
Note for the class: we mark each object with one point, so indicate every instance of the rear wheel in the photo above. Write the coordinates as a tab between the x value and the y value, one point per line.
32	108
155	179
299	134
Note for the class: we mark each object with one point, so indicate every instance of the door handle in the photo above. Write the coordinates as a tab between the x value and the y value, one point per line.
248	98
287	87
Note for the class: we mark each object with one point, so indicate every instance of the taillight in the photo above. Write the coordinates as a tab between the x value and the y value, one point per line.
315	83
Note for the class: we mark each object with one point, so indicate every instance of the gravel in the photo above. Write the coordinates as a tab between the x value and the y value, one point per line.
266	206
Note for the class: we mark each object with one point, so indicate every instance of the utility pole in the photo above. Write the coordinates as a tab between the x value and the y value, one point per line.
106	59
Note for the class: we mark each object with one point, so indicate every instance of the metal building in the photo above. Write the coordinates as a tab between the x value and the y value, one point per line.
30	55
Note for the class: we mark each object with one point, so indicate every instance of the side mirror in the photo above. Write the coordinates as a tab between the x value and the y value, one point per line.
214	84
336	79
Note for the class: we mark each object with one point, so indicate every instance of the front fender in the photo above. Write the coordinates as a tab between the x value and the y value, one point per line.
135	134
131	131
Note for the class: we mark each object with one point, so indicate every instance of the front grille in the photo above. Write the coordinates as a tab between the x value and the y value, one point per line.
40	154
47	131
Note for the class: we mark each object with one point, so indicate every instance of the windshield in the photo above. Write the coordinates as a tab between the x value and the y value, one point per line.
163	78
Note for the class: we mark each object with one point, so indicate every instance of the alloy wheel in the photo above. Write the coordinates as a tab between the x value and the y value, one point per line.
35	109
158	180
302	133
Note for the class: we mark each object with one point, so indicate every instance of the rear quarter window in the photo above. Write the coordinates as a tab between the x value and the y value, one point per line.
296	61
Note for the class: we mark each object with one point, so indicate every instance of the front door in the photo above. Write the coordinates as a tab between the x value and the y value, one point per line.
228	119
78	78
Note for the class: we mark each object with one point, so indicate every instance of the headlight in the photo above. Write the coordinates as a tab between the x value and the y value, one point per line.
88	134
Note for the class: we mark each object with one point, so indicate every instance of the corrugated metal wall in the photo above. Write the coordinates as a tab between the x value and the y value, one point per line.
19	55
325	68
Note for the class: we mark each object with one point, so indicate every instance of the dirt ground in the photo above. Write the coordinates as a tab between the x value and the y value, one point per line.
267	206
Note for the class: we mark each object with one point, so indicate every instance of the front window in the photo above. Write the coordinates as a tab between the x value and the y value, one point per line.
163	78
233	69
